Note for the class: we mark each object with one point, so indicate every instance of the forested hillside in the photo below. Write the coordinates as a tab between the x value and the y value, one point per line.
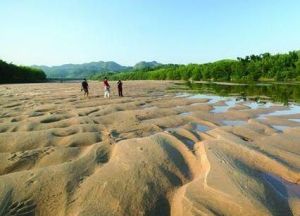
10	73
278	67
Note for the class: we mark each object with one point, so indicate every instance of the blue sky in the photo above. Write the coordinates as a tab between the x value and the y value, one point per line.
55	32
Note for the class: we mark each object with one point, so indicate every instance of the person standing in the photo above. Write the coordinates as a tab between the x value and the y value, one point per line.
106	88
120	88
85	87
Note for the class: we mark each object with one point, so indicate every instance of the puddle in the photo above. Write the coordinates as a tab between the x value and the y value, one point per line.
293	109
221	109
183	95
185	113
281	186
295	120
280	127
232	102
234	122
229	101
196	104
255	105
212	98
189	143
200	127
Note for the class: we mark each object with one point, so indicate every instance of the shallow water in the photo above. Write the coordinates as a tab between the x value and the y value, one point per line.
189	143
212	98
182	95
295	120
277	92
185	113
200	127
234	122
256	105
292	109
220	109
233	101
280	127
229	101
281	186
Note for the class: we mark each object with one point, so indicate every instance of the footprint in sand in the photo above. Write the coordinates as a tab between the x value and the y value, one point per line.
31	180
64	133
51	119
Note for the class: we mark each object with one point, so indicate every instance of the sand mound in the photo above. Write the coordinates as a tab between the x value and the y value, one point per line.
149	153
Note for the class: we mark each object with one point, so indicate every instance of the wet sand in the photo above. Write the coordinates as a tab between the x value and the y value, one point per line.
152	152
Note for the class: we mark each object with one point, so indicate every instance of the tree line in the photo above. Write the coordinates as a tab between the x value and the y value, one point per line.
10	73
278	67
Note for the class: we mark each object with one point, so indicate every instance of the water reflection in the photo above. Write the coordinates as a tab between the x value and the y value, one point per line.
260	92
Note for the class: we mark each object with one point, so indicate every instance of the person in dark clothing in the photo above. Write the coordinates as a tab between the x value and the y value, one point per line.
120	88
85	87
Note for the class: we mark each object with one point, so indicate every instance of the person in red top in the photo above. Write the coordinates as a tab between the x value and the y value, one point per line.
106	88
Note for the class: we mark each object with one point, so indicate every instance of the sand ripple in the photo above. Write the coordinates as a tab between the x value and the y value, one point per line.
149	153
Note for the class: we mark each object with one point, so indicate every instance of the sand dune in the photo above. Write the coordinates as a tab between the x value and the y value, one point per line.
148	153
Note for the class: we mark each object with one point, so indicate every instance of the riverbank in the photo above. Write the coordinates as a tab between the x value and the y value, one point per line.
152	152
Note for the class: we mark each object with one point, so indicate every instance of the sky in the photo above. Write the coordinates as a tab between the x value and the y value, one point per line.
54	32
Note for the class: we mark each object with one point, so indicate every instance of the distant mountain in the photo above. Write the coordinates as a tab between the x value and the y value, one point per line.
81	70
144	64
91	69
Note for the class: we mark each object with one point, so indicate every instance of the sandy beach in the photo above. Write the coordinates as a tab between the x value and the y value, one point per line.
152	152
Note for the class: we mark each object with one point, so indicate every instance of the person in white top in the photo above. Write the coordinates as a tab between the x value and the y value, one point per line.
106	88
